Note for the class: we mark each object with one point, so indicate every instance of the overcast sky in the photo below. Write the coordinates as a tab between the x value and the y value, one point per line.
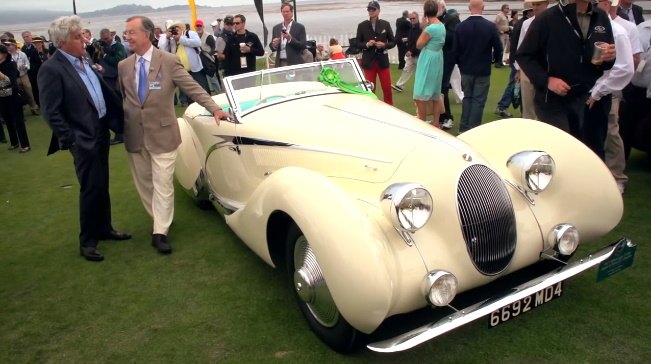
84	6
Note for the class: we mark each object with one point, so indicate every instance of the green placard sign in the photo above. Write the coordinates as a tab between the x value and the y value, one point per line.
621	259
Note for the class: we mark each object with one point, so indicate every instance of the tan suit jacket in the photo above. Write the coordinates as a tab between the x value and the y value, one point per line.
153	125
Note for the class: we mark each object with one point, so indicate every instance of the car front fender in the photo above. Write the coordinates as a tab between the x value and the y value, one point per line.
583	191
350	247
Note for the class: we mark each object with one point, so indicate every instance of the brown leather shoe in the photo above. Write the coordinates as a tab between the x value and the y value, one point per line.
159	241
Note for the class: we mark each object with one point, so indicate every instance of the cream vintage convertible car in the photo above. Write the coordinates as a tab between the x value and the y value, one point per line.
374	213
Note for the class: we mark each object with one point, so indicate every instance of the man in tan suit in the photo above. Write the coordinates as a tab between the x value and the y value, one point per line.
148	79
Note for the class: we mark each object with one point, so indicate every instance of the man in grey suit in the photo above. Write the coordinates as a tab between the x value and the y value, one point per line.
148	79
78	104
288	38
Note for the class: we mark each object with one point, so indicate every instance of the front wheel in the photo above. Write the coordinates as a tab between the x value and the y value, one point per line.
314	298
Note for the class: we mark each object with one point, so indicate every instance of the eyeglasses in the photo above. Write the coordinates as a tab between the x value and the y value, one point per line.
413	19
371	9
237	22
198	26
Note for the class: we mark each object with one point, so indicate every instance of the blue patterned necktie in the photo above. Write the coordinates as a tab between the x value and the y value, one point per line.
142	81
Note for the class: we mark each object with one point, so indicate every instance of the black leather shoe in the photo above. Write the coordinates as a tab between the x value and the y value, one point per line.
159	241
115	235
91	254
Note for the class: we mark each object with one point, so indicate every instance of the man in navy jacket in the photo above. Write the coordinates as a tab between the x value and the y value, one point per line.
474	41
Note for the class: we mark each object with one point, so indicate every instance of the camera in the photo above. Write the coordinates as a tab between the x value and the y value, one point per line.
219	19
284	30
174	30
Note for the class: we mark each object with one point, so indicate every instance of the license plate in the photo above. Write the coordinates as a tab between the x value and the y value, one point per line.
525	304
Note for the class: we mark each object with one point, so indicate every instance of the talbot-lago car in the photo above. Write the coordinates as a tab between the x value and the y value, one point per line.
374	213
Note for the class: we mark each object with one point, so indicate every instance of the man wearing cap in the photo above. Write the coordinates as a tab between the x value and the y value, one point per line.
186	44
22	62
557	59
76	104
220	42
375	38
148	79
34	63
208	47
288	38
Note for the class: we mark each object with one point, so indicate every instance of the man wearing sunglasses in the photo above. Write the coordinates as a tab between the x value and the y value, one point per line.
375	38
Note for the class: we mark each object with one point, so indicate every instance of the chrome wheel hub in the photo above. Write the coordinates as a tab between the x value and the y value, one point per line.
311	286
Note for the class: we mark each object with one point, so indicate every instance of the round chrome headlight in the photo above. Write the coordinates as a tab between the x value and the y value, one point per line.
439	287
565	238
408	206
534	169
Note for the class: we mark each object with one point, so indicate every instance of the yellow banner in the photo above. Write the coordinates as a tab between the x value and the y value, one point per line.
193	13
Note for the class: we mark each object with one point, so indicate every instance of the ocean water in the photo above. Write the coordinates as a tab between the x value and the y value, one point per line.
321	19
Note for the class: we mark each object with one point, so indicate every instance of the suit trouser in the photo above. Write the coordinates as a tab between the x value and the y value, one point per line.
527	92
564	112
615	157
407	71
201	79
92	171
402	50
153	175
385	80
595	126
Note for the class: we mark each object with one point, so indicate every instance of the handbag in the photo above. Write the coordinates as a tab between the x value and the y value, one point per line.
208	63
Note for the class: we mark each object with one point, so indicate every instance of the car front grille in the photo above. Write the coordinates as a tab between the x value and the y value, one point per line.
487	219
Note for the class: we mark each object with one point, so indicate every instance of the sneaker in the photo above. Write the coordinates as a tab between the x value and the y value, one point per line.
503	113
447	124
621	187
397	88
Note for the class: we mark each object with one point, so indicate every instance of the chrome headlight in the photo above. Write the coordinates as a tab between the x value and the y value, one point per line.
534	169
408	205
439	287
565	238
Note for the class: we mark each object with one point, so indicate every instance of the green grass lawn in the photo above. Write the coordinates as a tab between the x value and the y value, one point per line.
213	300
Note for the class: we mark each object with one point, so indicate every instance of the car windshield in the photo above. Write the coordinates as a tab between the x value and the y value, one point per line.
254	90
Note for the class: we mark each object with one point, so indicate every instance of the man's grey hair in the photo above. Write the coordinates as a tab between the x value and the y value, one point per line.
61	27
147	25
104	31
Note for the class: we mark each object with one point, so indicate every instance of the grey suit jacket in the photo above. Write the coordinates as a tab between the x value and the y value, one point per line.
153	125
294	47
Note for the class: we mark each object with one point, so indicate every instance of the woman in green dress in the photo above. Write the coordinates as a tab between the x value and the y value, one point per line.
429	69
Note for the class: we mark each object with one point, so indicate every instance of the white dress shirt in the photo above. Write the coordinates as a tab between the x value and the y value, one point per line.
523	31
631	31
615	79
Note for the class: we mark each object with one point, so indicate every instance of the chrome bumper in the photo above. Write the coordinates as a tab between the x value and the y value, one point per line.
424	333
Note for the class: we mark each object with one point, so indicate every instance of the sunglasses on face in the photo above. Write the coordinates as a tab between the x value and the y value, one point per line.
199	26
237	22
371	9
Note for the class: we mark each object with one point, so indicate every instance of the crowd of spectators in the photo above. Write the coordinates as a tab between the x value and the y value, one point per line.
578	65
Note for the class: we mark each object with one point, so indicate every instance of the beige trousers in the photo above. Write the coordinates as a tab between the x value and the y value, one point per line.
615	158
23	82
153	175
527	92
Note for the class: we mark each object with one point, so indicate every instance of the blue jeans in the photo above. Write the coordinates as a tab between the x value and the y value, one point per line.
505	101
475	93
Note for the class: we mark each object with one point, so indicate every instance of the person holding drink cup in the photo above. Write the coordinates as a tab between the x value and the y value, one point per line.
241	49
566	50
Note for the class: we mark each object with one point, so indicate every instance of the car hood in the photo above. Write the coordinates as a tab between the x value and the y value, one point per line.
343	135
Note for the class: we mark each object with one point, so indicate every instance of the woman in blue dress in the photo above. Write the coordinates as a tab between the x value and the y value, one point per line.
429	69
